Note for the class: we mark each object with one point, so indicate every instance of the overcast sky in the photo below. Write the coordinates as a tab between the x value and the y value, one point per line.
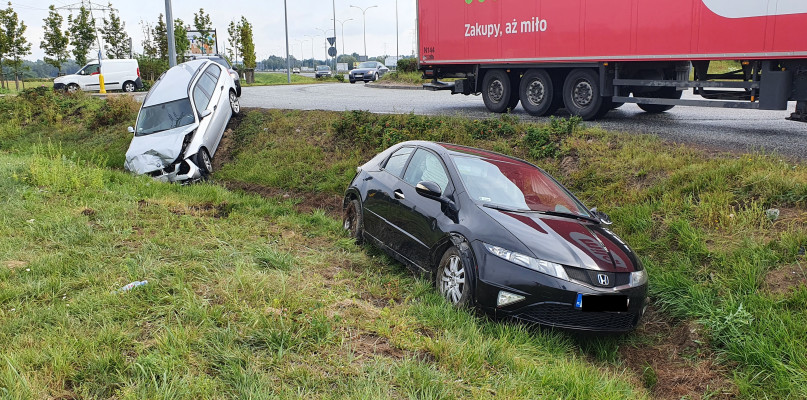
305	16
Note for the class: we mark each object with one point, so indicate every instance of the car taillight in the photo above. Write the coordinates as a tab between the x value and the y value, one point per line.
138	72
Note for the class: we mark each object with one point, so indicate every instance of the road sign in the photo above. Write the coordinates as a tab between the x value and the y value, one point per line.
332	51
332	40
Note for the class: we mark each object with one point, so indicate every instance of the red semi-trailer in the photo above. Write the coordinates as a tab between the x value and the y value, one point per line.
591	56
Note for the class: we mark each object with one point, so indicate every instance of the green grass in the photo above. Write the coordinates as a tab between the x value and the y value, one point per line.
409	78
270	79
247	298
266	298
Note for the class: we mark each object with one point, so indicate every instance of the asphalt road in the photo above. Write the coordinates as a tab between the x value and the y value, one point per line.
713	128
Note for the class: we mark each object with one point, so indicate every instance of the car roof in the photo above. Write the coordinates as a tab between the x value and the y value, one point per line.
173	84
465	151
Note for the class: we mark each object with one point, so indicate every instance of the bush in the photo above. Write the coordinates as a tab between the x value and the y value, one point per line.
339	77
544	142
116	110
407	65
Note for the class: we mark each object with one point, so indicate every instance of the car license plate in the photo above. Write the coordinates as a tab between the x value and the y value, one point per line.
595	303
359	75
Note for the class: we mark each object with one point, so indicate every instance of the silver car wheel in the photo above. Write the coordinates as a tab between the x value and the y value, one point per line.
452	280
129	87
234	103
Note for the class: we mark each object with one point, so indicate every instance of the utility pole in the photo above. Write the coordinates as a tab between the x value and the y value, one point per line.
397	42
364	19
312	37
288	60
169	26
334	36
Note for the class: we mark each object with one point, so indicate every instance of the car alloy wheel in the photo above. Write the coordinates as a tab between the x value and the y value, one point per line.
234	103
129	87
452	278
352	220
204	162
72	88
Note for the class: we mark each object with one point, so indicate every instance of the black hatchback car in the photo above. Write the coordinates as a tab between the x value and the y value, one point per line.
497	233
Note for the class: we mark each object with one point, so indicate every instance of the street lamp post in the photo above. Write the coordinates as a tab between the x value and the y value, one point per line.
343	32
312	48
364	19
288	59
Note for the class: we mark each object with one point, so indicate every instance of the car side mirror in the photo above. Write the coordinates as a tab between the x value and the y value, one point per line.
131	130
603	217
204	114
429	189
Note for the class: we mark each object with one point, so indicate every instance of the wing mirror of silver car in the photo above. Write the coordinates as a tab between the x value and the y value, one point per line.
603	217
204	114
131	130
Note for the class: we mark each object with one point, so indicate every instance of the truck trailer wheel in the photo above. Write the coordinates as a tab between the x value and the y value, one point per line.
497	91
537	93
664	93
581	93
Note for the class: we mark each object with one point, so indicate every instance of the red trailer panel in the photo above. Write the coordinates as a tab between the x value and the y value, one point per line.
521	31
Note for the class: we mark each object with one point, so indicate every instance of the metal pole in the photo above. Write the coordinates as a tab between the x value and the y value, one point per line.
334	36
288	60
364	21
169	26
397	42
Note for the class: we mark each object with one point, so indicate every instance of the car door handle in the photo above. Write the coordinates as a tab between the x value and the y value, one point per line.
399	194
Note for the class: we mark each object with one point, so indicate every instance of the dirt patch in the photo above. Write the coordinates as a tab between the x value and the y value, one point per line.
309	201
88	212
676	364
368	345
783	281
12	265
224	153
221	210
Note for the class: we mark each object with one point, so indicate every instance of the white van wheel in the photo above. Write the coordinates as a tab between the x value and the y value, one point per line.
129	86
72	88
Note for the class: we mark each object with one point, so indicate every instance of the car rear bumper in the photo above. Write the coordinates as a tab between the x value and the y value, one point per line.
138	83
552	301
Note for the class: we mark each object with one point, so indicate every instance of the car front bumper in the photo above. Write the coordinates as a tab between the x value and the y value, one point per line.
185	171
59	86
552	301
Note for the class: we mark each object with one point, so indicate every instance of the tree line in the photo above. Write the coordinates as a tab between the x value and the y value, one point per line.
80	37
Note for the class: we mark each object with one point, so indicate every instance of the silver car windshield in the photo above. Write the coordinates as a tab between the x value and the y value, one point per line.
165	116
515	185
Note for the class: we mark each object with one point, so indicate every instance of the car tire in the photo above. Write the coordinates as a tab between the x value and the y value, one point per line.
129	87
204	162
235	105
454	279
496	90
353	221
537	93
352	81
581	93
375	76
72	88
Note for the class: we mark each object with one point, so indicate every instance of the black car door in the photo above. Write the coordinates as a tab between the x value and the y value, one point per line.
419	219
380	197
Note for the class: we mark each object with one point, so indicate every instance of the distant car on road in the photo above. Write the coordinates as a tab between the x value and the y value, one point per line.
497	233
123	74
368	71
224	63
322	71
182	121
295	70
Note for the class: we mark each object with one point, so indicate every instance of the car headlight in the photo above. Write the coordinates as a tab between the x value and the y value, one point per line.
234	75
542	266
638	278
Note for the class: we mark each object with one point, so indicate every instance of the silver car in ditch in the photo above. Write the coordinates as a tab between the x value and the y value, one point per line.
182	121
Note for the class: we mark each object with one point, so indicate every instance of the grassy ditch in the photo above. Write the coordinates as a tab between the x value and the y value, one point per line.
727	282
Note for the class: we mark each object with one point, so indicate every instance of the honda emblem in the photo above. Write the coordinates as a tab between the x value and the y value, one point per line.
603	279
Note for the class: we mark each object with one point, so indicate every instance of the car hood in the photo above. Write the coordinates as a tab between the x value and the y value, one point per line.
568	241
156	151
65	79
362	70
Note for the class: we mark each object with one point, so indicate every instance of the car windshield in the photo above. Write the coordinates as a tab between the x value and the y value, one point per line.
514	185
165	116
367	64
323	68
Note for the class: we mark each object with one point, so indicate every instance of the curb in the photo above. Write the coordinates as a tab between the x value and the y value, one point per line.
393	87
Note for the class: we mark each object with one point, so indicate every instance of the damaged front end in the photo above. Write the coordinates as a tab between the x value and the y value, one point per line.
163	155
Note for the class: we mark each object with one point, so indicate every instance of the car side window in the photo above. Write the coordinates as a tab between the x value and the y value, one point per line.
214	71
208	84
426	166
200	99
397	161
91	69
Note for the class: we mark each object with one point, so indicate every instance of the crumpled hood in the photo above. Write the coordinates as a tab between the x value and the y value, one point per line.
156	151
568	241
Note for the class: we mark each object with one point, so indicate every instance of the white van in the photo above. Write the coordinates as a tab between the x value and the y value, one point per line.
121	74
